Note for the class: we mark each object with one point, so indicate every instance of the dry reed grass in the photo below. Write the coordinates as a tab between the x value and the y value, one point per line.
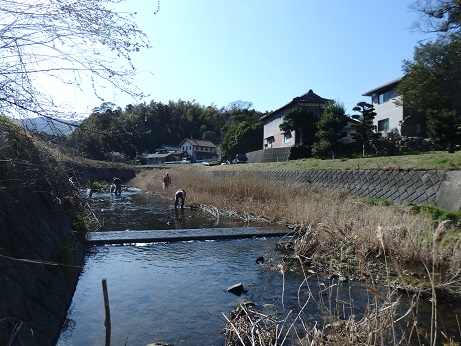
375	325
343	233
333	220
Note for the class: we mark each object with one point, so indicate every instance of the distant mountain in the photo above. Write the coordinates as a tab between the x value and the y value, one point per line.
49	126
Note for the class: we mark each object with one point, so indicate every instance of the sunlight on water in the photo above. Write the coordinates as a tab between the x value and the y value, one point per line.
168	292
177	292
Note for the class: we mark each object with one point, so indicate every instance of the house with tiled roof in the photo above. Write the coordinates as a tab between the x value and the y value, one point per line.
199	150
274	137
166	153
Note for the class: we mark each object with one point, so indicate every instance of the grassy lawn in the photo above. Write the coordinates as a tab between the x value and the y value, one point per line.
419	161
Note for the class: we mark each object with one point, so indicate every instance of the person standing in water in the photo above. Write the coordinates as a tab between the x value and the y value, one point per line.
118	186
166	181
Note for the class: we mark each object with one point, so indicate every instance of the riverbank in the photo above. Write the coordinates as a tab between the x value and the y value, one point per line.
339	234
439	160
41	240
340	237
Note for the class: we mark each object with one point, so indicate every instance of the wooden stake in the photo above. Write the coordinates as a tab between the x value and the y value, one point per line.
107	309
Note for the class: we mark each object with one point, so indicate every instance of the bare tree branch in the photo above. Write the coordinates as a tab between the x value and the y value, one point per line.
70	41
438	16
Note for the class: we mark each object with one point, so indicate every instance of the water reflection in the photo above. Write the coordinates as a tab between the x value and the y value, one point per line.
177	292
167	292
144	211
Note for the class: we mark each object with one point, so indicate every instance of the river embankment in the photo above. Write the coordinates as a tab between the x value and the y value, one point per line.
42	233
41	243
338	233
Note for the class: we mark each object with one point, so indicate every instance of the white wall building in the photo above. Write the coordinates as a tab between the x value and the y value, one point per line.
199	150
390	115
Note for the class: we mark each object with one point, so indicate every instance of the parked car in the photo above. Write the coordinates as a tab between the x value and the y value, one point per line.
185	160
240	158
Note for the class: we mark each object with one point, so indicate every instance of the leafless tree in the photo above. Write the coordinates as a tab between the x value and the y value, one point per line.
438	16
74	42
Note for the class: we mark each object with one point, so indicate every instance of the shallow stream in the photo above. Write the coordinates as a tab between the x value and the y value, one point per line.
177	292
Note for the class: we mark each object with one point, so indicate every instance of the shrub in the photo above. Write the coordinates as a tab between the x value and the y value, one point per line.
439	215
97	186
80	224
299	151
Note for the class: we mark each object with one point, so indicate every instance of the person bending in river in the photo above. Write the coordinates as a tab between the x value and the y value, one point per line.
179	195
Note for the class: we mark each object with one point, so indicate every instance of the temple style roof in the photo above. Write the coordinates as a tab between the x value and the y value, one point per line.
309	97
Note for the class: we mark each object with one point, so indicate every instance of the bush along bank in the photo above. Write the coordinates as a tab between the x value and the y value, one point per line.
41	240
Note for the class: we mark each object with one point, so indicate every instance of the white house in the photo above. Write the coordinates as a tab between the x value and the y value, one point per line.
199	150
390	115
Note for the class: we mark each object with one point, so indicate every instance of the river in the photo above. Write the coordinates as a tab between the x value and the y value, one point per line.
177	292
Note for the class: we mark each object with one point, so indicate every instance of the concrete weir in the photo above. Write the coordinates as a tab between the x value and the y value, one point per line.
175	235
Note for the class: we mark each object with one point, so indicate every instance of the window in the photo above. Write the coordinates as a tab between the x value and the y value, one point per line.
287	137
269	142
383	125
384	97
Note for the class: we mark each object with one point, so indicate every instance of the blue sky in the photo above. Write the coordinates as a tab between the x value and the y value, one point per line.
267	52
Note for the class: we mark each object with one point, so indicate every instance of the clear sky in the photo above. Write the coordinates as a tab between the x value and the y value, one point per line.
268	51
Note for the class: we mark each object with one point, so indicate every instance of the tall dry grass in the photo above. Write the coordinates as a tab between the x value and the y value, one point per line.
343	232
333	223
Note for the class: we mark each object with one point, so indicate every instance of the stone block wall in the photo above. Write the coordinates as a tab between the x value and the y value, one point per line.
438	187
269	155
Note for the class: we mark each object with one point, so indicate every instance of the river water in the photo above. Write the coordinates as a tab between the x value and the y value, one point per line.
177	292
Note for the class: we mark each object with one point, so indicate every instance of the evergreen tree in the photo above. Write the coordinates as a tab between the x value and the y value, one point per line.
301	119
440	16
432	85
364	128
330	131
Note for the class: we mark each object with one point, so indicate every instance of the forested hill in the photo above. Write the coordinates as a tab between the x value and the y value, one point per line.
145	127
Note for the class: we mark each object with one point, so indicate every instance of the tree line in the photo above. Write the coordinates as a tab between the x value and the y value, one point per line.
139	129
112	133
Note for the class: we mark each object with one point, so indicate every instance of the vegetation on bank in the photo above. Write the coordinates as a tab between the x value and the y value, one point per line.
337	222
336	235
40	252
409	161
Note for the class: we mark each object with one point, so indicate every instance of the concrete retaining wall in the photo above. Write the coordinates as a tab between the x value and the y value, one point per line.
88	174
438	187
35	291
36	237
269	155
